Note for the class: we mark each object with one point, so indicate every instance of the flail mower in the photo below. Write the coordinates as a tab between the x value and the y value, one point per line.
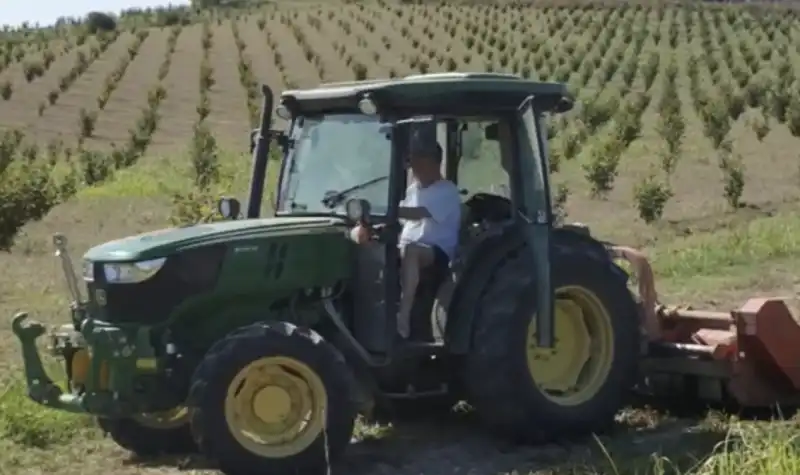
748	356
258	341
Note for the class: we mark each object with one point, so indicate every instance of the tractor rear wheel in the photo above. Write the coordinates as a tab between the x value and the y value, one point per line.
273	398
573	389
149	435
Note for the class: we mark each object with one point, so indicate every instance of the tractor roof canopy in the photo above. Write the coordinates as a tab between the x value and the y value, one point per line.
457	94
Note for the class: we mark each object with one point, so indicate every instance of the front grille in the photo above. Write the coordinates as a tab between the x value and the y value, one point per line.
184	275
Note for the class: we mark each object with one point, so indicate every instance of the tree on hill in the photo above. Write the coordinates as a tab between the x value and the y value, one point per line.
97	21
203	4
208	4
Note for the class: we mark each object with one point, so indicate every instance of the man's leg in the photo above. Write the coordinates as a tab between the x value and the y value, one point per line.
415	257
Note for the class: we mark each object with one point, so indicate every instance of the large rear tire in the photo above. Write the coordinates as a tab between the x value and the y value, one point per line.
273	398
574	389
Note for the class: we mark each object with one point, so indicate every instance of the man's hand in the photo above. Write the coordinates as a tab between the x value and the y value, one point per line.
360	234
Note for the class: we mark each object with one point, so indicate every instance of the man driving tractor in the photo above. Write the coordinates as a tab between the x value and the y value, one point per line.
431	217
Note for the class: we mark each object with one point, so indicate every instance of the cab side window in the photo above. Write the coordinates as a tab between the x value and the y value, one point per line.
481	169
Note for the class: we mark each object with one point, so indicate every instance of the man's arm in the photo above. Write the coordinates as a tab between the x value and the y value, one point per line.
439	205
413	214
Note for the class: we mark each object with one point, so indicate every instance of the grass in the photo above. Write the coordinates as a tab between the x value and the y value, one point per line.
25	424
160	176
756	241
745	448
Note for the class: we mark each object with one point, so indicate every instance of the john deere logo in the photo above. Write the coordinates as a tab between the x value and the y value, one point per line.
276	258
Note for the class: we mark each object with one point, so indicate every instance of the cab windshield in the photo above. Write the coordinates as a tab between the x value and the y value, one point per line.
335	158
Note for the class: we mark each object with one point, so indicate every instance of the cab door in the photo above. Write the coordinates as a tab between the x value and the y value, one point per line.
536	213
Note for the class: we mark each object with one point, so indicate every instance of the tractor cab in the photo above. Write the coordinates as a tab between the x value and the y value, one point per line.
346	143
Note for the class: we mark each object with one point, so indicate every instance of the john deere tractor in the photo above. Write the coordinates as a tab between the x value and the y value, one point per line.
258	340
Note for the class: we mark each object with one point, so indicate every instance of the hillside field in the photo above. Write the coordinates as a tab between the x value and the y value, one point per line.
685	140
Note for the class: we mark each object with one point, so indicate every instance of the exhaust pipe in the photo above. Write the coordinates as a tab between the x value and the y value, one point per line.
260	156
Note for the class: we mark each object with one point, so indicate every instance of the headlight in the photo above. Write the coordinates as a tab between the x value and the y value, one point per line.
88	271
132	272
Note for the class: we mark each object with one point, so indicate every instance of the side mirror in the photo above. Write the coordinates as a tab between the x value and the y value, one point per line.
229	208
358	210
492	132
274	135
279	137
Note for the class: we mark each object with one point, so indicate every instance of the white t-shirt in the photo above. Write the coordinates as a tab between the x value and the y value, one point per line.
443	202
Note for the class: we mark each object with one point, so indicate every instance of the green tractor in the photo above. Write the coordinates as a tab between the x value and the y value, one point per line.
258	341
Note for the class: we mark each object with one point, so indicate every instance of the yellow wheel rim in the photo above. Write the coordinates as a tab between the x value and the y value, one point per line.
275	407
574	370
165	420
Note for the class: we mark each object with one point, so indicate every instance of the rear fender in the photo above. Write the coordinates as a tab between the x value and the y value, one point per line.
480	260
484	257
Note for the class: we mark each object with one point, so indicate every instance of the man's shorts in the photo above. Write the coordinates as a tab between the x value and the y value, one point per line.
440	259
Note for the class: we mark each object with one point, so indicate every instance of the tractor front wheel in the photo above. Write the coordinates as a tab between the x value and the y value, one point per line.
273	398
537	394
149	435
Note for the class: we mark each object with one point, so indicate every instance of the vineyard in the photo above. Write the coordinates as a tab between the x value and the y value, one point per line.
685	139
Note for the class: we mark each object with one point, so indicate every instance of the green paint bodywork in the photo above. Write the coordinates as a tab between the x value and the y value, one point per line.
315	254
168	241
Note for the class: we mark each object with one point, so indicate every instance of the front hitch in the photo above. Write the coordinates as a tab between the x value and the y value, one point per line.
41	388
115	356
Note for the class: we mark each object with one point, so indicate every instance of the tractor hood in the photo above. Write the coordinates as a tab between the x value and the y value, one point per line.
164	242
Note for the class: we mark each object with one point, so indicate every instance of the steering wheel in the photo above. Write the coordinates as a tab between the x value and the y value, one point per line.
488	207
358	212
